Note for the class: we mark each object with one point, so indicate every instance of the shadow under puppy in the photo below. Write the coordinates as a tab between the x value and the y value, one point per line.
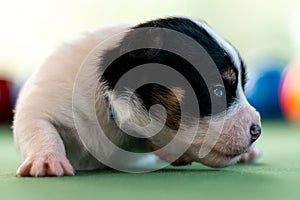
44	126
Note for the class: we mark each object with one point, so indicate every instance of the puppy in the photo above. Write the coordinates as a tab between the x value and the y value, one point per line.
54	127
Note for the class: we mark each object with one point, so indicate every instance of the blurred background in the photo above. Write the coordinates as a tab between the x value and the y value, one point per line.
266	32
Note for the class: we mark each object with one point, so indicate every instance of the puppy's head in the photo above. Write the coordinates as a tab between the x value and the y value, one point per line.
226	125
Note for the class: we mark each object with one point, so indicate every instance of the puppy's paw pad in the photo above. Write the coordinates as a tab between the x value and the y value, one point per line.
253	155
46	165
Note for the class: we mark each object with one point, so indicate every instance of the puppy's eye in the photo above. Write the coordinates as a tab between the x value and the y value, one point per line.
218	90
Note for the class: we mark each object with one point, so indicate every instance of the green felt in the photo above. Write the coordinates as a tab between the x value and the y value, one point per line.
275	176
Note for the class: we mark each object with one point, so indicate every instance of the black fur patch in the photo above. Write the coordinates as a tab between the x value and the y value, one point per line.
149	93
244	75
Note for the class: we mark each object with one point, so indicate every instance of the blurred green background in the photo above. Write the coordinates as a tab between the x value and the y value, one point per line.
276	176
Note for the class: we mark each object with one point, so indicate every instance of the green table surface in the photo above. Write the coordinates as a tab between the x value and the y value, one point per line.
275	176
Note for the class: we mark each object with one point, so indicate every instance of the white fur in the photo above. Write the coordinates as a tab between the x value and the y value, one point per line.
45	104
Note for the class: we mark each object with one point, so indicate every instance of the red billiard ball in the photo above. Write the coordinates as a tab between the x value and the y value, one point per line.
5	100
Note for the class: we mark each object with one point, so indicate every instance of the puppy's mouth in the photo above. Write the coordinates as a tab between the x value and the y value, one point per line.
227	157
221	158
233	154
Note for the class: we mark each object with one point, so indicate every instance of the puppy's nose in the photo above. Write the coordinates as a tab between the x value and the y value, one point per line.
255	132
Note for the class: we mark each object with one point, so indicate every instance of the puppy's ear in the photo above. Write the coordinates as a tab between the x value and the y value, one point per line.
169	98
179	93
143	43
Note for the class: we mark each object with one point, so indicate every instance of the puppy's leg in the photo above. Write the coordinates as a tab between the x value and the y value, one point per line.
42	148
251	156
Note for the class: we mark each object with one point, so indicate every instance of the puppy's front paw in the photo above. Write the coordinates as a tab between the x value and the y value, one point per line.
251	156
50	164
